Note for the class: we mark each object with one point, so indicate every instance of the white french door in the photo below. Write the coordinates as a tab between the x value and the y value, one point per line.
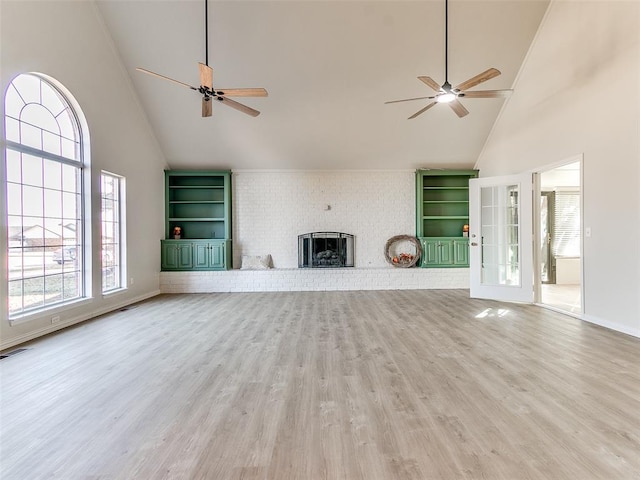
501	237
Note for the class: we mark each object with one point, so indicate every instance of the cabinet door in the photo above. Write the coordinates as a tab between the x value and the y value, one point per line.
201	255
445	251
185	255
461	252
216	255
169	256
430	254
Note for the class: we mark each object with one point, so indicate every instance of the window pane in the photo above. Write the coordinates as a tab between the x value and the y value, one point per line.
30	136
107	209
14	166
15	296
12	129
15	263
32	201
71	286
51	100
70	178
28	87
52	174
13	104
65	121
51	143
34	258
69	149
53	289
14	199
33	293
70	205
52	203
53	226
14	223
32	170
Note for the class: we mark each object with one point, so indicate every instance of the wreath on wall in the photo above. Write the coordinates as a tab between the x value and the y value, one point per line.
403	259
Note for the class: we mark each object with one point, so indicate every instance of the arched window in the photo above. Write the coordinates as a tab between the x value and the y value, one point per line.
44	180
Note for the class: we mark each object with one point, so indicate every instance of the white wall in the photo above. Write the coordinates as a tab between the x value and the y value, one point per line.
67	41
271	208
579	93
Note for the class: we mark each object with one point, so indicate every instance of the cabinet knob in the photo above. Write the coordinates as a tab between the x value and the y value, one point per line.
474	244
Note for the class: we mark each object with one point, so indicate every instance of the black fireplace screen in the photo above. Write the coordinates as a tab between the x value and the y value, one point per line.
325	250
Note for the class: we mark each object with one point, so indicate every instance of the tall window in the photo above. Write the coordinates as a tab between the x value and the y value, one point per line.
112	195
44	172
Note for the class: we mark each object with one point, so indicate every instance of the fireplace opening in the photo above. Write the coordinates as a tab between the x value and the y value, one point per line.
325	250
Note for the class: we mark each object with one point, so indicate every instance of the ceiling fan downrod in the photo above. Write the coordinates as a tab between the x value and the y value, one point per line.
206	32
446	42
448	95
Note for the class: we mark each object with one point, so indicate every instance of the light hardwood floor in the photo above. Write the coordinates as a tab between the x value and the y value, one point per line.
564	297
324	385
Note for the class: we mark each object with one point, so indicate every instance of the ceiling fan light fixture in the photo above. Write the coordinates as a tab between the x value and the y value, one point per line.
446	98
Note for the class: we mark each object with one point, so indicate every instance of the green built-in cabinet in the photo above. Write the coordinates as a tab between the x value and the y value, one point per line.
442	211
199	202
196	254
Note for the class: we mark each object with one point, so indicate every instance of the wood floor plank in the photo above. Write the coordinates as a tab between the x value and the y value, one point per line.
324	385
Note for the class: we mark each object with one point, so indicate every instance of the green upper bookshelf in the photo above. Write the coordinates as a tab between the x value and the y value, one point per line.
442	198
199	202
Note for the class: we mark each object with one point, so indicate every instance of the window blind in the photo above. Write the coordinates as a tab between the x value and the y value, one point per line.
566	241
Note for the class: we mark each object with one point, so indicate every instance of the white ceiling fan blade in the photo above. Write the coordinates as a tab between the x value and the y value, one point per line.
457	107
149	72
409	100
430	82
206	75
239	106
481	77
242	92
486	94
420	112
207	108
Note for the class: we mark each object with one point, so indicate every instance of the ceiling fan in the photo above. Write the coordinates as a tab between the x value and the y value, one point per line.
206	83
451	95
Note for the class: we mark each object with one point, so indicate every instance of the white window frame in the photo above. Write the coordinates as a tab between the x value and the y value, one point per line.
113	252
71	153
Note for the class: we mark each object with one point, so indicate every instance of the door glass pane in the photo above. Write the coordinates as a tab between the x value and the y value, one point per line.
545	237
499	227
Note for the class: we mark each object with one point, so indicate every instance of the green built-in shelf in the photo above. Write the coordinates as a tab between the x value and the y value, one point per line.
199	202
442	211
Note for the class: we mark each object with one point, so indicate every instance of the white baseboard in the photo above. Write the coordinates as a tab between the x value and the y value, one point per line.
75	320
634	332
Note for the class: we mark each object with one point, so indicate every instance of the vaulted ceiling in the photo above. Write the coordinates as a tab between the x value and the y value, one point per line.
328	66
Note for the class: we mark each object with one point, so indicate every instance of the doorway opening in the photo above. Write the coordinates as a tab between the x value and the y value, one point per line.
559	265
